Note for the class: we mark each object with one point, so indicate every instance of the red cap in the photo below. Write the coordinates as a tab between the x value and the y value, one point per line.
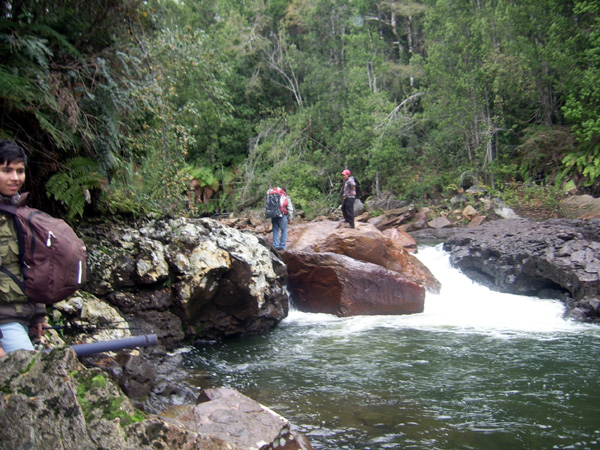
346	172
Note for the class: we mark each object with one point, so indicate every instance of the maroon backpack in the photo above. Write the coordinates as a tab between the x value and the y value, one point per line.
53	259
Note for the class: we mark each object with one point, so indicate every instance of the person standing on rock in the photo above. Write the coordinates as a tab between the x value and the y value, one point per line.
19	316
349	197
280	210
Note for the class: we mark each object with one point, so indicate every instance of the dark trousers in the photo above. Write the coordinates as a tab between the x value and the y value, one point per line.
348	210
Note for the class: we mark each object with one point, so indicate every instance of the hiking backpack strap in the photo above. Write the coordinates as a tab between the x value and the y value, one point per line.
12	210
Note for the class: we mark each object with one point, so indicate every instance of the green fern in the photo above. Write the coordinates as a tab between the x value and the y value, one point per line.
205	177
585	161
71	187
16	88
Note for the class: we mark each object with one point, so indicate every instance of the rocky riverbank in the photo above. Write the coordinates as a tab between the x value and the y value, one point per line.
180	280
50	400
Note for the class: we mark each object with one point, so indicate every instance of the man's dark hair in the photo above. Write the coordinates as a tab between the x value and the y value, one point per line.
10	151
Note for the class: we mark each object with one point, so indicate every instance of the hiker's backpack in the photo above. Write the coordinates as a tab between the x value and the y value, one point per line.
52	257
356	188
275	203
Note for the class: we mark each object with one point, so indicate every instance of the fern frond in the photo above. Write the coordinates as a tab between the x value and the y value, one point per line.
70	186
46	31
17	89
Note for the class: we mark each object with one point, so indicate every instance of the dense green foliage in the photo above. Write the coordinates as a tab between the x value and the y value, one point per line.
130	106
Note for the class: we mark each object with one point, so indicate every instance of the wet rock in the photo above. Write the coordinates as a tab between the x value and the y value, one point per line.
401	238
89	319
340	285
137	376
188	277
50	400
363	243
229	416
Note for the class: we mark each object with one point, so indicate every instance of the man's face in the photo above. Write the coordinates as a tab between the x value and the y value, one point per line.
12	177
344	176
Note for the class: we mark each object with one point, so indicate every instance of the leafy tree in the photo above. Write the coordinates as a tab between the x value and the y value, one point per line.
582	107
61	90
494	71
182	103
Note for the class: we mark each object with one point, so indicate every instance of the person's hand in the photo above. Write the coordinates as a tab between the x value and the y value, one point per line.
38	329
2	352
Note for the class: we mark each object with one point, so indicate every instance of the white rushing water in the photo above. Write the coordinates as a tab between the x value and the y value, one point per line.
463	306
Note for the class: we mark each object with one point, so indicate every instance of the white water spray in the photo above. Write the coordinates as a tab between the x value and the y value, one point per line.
463	304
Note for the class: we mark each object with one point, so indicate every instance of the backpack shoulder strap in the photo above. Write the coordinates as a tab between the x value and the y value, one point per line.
13	277
12	210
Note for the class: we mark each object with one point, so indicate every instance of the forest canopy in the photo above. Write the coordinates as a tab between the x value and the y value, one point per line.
127	107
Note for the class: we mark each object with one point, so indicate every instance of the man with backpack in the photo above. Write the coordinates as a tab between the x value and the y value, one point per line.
279	208
19	316
349	197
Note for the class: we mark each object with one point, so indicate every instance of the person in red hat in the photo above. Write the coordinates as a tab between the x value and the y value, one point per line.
349	197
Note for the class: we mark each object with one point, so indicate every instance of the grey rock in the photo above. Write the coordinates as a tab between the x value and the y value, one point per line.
188	277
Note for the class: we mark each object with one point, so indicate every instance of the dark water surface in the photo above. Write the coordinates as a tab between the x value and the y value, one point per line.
476	370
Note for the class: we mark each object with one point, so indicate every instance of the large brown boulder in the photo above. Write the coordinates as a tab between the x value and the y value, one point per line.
401	238
340	285
358	271
364	243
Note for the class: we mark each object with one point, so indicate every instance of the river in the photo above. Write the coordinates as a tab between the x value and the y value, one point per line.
476	370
